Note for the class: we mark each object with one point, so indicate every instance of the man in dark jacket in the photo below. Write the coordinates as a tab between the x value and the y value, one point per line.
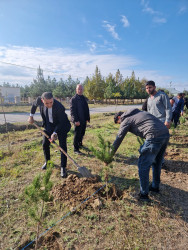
185	100
79	111
147	126
177	108
56	124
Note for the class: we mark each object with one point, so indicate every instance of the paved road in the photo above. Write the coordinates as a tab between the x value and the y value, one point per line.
22	117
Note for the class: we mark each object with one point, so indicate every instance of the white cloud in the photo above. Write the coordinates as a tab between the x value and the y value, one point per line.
182	10
60	63
125	21
92	45
104	46
158	16
111	29
159	20
148	9
56	63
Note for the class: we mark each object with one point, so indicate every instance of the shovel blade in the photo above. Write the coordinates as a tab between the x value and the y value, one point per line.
85	172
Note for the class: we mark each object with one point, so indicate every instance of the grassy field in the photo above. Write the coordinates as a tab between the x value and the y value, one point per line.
120	222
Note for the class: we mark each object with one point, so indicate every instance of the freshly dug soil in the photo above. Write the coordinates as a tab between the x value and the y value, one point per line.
75	190
72	192
49	241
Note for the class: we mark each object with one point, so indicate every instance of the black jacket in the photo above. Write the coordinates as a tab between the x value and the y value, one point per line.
60	119
79	109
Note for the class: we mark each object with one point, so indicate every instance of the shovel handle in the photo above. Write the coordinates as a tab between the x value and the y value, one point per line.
63	151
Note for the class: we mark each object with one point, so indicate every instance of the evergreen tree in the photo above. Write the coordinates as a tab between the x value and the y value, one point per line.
39	85
118	78
95	88
71	86
37	195
105	153
110	87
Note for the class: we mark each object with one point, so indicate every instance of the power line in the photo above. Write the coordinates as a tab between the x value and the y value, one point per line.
13	64
27	67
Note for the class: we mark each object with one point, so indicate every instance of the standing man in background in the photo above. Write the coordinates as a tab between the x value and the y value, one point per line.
56	124
79	111
177	108
185	100
158	104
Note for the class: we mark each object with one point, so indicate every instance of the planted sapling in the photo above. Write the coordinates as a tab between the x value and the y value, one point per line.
37	194
105	153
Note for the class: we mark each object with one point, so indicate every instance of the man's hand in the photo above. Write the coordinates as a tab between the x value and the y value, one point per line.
53	137
31	120
167	124
181	113
77	124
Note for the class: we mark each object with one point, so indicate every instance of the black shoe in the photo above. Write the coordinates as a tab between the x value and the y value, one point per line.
63	173
156	190
77	152
140	197
44	166
143	197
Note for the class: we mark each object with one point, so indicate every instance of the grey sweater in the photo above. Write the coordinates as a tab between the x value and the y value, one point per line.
140	123
160	107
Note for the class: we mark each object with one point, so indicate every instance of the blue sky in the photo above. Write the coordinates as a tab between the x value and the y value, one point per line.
71	37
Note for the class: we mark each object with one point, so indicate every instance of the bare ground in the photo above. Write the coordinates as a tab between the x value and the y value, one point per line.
118	222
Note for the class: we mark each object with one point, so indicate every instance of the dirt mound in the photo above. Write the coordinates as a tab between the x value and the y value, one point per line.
75	190
72	192
49	241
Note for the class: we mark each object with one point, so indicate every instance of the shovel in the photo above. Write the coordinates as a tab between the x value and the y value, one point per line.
83	170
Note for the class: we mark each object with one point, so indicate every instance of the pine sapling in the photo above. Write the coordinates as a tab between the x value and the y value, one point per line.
37	194
182	120
105	153
172	126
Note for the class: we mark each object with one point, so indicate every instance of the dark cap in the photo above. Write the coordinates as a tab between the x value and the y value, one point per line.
116	116
150	83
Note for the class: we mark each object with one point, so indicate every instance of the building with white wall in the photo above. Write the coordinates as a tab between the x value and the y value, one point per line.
9	95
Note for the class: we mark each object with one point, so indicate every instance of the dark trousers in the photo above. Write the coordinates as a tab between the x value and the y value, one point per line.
175	118
62	143
79	132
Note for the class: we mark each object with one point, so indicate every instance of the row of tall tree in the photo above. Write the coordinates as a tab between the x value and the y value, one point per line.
114	86
96	87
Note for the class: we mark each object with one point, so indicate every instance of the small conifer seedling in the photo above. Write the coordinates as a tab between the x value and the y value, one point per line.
37	194
105	153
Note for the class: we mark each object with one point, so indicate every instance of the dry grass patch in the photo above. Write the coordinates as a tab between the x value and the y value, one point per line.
120	223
